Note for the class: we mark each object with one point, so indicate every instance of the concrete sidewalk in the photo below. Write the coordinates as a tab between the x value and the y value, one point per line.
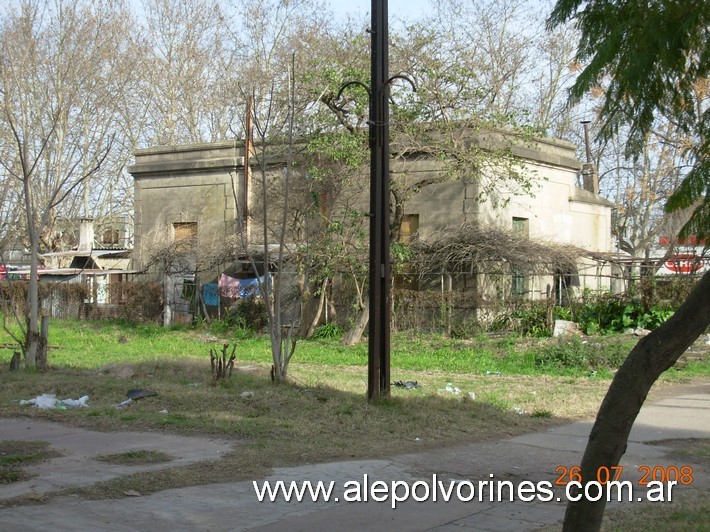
234	506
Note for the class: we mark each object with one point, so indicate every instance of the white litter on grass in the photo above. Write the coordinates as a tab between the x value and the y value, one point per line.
76	403
47	401
450	388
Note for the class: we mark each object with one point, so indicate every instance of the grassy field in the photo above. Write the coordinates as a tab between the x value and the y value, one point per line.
469	390
91	345
507	372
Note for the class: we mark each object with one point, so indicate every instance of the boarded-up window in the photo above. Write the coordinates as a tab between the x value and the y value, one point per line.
519	284
185	233
409	227
110	236
116	286
407	277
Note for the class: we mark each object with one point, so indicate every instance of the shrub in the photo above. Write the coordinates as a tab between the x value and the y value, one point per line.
328	331
467	329
669	290
533	320
605	314
248	313
576	353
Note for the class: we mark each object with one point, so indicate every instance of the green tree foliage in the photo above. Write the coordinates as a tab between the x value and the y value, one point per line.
652	58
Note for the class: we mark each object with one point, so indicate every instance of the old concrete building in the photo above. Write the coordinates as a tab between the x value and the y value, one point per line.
201	194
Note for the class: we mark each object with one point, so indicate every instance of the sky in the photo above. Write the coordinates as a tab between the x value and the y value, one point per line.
409	9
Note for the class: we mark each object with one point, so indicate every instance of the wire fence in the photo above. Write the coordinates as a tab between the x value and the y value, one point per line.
88	298
418	302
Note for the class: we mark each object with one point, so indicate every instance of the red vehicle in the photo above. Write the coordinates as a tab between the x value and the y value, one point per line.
685	263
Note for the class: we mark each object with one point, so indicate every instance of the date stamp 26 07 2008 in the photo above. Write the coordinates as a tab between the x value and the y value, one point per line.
657	482
680	474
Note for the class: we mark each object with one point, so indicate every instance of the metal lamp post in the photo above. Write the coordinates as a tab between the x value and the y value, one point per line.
378	368
378	363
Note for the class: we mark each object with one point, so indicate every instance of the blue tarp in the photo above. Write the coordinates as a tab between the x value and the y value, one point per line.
210	294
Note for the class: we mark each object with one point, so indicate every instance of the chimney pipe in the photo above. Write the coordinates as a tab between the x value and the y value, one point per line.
86	234
590	176
587	147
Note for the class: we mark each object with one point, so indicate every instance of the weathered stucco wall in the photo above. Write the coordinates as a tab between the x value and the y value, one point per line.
198	184
557	210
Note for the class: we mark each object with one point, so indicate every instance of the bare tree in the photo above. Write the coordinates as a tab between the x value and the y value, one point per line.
187	72
273	228
56	82
9	212
640	187
554	72
273	30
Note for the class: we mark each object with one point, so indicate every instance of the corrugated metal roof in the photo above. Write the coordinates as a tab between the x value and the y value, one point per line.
72	271
94	253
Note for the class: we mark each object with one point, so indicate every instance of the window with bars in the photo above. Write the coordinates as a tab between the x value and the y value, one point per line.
520	226
518	285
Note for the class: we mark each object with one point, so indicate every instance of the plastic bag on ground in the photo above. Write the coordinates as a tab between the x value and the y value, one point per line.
48	401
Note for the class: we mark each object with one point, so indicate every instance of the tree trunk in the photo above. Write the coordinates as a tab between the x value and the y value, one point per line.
32	312
41	359
303	301
332	315
354	335
167	293
653	355
16	361
319	310
283	347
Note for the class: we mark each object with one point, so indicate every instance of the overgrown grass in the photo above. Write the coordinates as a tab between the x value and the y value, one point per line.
91	345
14	455
136	457
504	385
317	416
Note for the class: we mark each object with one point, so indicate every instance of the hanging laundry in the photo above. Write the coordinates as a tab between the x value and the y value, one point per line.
228	287
249	288
232	288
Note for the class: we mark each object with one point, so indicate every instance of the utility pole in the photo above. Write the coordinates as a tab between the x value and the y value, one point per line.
378	369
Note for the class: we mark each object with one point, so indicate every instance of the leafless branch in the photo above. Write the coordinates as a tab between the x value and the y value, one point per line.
472	248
